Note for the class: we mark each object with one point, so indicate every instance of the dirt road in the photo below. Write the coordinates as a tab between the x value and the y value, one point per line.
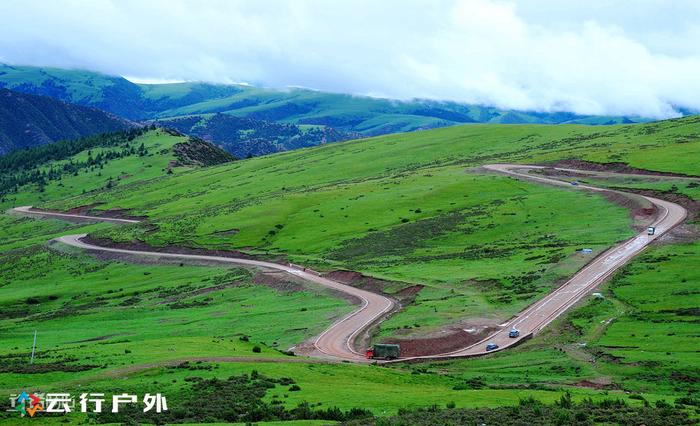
338	340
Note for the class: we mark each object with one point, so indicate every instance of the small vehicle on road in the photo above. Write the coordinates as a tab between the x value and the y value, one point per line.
574	183
651	230
383	351
514	333
491	347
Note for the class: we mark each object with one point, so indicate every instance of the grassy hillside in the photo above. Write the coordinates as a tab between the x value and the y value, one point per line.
91	164
369	116
407	208
109	93
27	121
411	209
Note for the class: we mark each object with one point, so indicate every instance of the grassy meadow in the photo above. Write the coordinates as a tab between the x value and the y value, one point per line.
412	209
158	158
409	209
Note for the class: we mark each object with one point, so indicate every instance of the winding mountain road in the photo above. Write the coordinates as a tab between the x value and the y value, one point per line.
338	340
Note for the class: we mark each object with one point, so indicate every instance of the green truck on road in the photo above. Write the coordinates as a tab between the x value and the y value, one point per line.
384	351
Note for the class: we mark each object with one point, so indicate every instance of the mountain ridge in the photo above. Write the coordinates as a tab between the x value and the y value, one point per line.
365	115
30	120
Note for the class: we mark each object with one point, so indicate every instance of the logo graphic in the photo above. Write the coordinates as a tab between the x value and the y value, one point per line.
28	403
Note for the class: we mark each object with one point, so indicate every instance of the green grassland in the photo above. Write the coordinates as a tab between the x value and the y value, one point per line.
412	208
408	208
80	305
445	229
640	338
156	160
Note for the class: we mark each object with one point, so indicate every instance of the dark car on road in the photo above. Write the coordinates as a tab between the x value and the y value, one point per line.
491	347
514	333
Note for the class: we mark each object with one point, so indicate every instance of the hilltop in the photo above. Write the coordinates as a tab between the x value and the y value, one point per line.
27	121
99	162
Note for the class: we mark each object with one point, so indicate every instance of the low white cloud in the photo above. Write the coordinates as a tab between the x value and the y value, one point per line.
608	57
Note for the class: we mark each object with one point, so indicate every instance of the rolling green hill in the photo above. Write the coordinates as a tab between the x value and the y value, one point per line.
27	121
460	248
411	209
90	164
365	115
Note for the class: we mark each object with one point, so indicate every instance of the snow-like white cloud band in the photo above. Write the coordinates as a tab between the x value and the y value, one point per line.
608	57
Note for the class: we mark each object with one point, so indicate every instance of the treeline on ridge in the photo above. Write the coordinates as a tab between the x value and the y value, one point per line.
24	166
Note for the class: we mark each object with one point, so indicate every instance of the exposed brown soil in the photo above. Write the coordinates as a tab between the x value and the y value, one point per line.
450	341
642	212
78	210
141	246
614	167
685	233
89	210
601	384
278	281
692	206
117	213
408	293
405	296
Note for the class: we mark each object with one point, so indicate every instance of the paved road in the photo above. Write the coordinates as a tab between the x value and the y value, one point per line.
335	342
27	210
338	340
533	319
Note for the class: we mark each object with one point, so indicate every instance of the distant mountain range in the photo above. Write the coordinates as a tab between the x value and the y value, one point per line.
245	137
363	115
29	121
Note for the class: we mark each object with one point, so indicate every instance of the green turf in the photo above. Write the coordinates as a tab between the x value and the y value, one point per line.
483	245
80	308
410	208
119	171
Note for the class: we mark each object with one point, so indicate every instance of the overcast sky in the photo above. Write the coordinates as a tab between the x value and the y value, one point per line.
621	57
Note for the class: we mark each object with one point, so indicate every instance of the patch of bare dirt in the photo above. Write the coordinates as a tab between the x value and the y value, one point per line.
282	281
141	246
601	383
89	210
451	340
79	210
614	167
642	212
405	296
688	203
117	213
277	280
684	233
